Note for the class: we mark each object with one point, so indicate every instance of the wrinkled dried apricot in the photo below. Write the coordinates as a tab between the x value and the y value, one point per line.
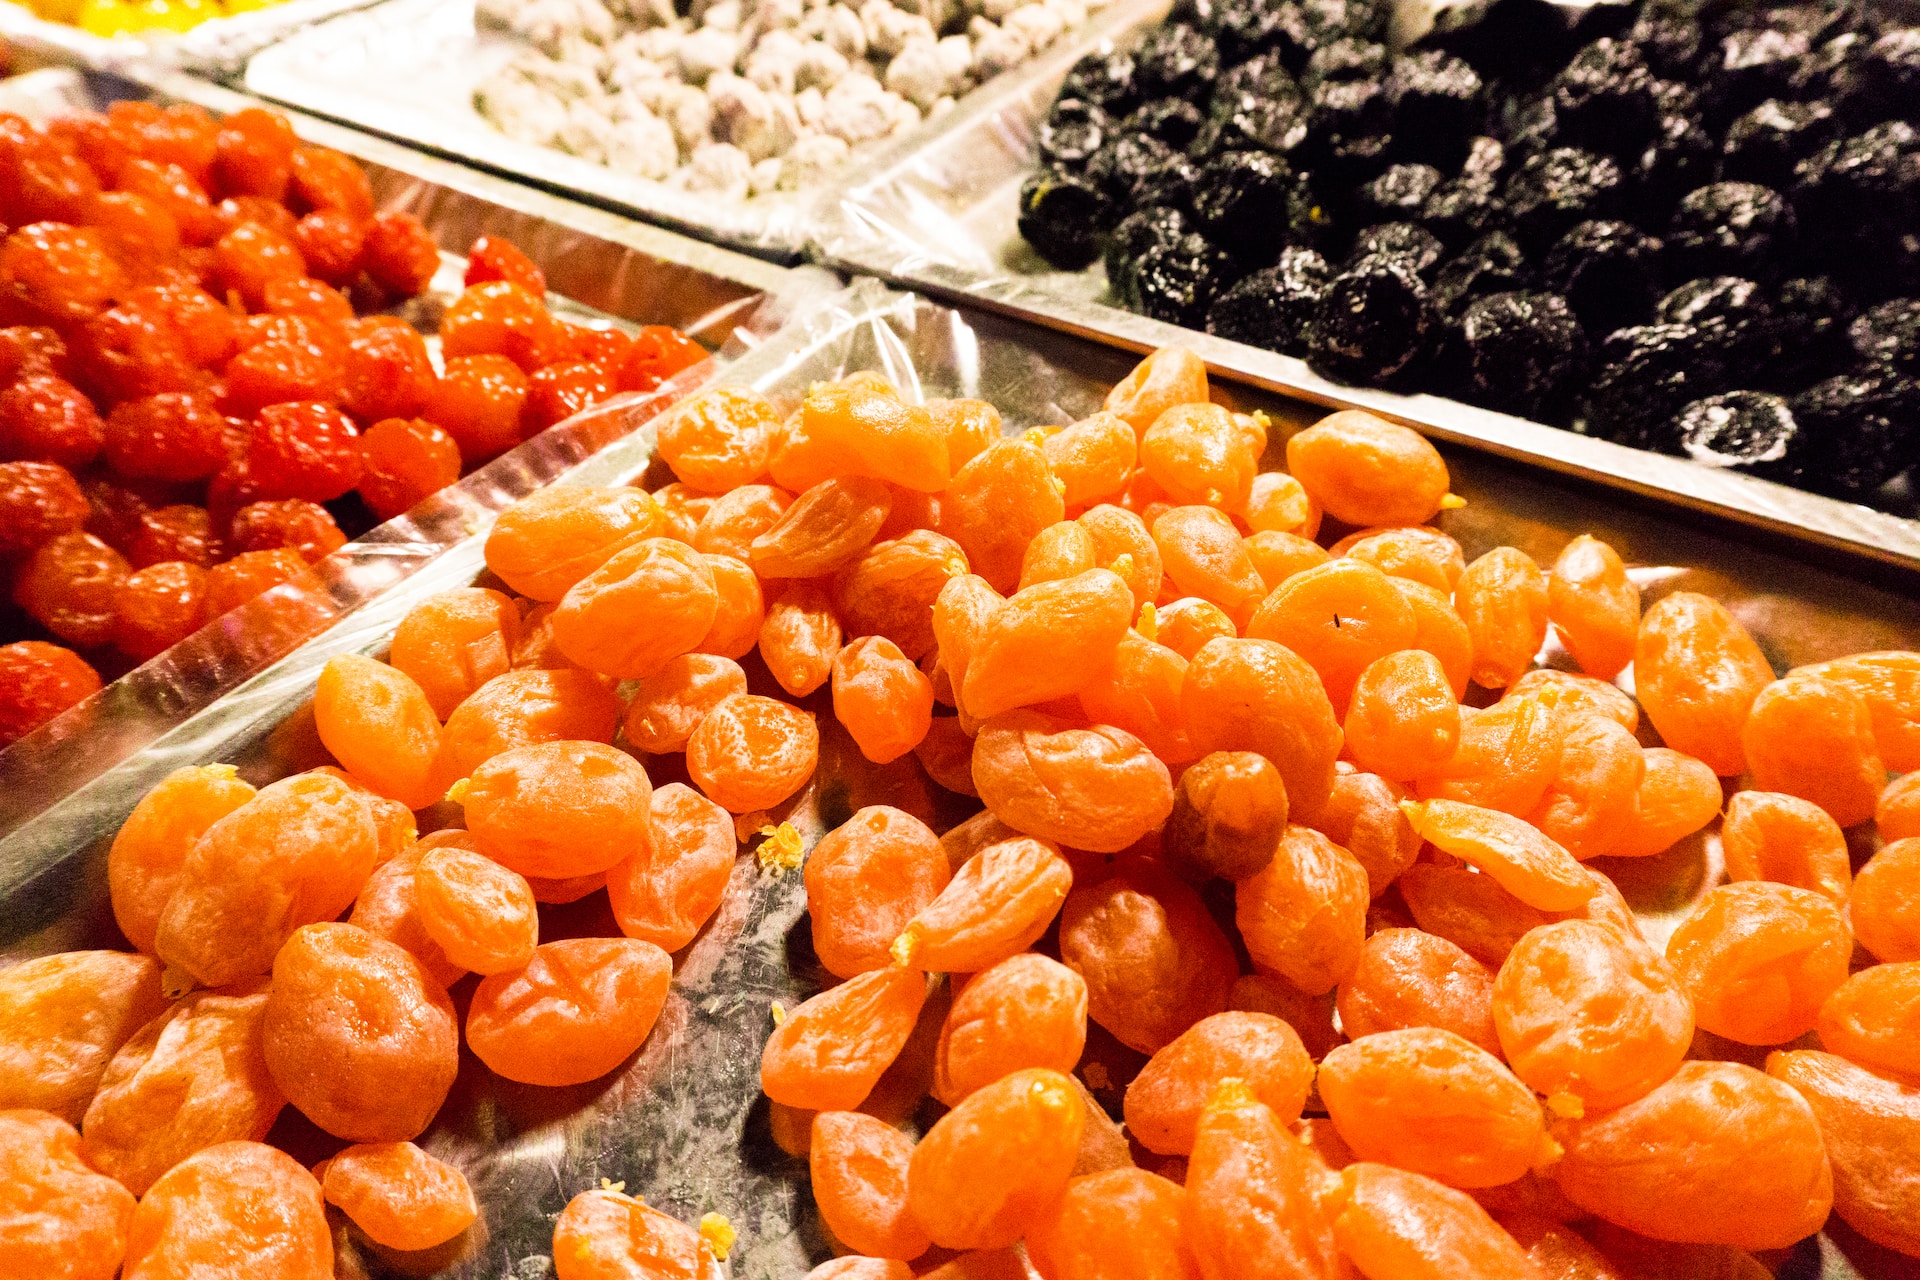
578	1009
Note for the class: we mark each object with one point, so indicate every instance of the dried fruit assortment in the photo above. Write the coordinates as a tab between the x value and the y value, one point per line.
196	388
1683	228
1292	859
741	98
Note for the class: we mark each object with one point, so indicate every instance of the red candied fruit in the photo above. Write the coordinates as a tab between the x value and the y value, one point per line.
302	361
293	523
478	401
659	351
253	154
495	258
249	258
502	319
135	350
275	217
399	253
45	184
27	349
44	418
303	450
306	296
178	532
181	134
37	682
67	587
176	191
157	607
59	274
387	372
406	459
330	241
141	235
327	179
39	501
233	583
559	391
174	436
208	331
604	347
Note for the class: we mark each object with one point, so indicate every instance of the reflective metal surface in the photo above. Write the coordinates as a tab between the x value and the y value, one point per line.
942	219
683	1123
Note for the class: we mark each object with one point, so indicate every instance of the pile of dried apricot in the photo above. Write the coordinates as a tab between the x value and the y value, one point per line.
192	367
1293	852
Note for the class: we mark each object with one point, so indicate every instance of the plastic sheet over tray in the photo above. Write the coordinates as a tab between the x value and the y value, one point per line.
219	47
408	69
683	1123
942	219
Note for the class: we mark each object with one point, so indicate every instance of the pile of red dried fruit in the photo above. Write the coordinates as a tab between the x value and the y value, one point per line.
189	370
1349	944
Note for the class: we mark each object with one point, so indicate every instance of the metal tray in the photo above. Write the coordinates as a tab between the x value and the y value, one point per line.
408	68
602	269
219	47
683	1123
942	219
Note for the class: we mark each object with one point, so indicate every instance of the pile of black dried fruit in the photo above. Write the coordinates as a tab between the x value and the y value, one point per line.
1683	226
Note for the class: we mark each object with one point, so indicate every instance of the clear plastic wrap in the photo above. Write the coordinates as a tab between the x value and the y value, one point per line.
683	1123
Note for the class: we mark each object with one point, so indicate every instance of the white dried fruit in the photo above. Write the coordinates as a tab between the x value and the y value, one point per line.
889	30
857	110
1038	25
585	133
643	145
812	159
707	52
820	67
998	50
718	169
918	73
765	176
759	123
775	61
810	105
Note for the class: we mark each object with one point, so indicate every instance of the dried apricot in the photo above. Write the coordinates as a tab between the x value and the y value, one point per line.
1411	978
1044	642
1678	796
858	1167
1402	720
1096	788
1253	1203
997	904
559	809
1365	471
800	636
454	642
1154	961
604	1235
1594	606
379	725
1165	1101
1026	1011
653	600
989	1171
1783	838
544	544
997	504
1391	1222
1873	1017
1362	815
1759	959
1813	738
1697	673
752	752
232	1210
578	1010
1582	1010
1522	860
1867	1123
865	880
1122	1219
1885	907
718	439
481	914
668	705
62	1018
399	1195
1719	1154
1229	814
1257	695
63	1220
1304	915
1594	796
144	864
882	700
827	1054
1167	377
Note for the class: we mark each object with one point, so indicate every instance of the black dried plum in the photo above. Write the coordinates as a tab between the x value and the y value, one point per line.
1492	264
1857	432
1486	161
1765	144
1174	121
1240	201
1523	353
1308	25
1438	102
1346	142
1860	186
1729	228
1460	212
1532	127
1646	374
1061	216
1751	66
1176	61
1889	336
1885	79
1126	167
1072	132
1272	308
1668	42
1748	431
1263	77
1177	282
1730	315
1253	124
1138	232
1681	158
1406	243
1243	28
1810	318
1609	273
1603	100
1106	80
1397	195
1371	323
1829	72
1347	59
1554	192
